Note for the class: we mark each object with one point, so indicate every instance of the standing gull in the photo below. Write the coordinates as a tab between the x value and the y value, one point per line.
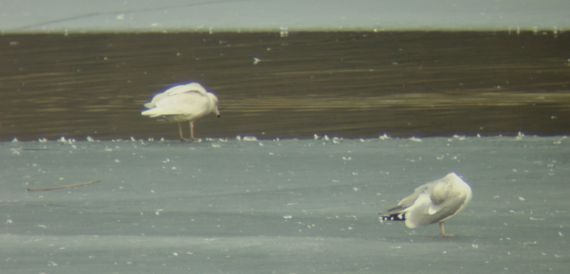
181	103
434	202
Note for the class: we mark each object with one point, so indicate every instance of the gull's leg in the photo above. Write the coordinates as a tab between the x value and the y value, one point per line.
191	130
442	231
180	133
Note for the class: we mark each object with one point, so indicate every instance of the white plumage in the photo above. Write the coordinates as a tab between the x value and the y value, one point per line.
434	202
187	102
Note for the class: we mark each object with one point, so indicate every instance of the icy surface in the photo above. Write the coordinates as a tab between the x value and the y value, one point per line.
292	206
214	15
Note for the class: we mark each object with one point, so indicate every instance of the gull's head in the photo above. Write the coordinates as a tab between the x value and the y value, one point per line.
214	102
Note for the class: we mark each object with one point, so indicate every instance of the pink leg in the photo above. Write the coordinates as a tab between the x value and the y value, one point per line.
180	133
442	231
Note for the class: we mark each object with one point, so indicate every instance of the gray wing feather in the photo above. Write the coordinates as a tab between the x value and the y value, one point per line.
430	215
409	200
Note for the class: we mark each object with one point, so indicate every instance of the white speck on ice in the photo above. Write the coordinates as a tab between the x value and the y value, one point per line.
525	244
458	137
158	211
415	139
247	138
287	217
256	60
522	199
283	32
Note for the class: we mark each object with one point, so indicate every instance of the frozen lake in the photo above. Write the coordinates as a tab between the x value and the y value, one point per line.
283	69
280	206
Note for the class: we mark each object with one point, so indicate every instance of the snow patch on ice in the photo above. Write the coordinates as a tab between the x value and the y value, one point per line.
415	139
246	138
459	137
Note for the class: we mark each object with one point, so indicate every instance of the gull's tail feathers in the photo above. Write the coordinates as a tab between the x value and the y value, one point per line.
396	213
394	217
153	112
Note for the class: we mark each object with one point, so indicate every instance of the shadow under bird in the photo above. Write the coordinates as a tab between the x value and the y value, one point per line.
182	103
433	202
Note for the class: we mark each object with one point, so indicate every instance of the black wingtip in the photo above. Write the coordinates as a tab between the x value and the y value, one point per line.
393	217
